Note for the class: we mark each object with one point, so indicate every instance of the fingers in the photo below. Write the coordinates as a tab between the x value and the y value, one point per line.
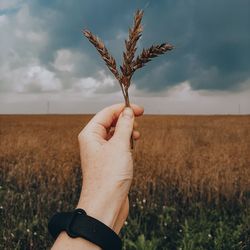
107	117
111	113
115	121
138	111
136	134
124	127
135	124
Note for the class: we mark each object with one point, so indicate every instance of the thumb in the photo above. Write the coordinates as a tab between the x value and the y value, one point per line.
124	126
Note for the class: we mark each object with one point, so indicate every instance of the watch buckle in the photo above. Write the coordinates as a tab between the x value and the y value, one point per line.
75	213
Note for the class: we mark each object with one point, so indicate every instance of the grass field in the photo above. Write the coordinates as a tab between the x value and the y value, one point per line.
191	188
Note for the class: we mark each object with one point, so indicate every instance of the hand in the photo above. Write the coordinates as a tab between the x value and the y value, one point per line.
107	164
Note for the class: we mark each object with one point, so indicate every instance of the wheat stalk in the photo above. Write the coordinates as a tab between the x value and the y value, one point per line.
148	54
130	45
107	57
130	65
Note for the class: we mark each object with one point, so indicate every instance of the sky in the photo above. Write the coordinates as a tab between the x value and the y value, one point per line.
48	66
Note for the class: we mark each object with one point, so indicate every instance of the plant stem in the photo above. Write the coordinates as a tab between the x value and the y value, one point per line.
127	104
123	92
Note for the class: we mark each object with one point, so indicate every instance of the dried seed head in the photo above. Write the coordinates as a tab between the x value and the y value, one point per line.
128	56
148	54
130	64
107	57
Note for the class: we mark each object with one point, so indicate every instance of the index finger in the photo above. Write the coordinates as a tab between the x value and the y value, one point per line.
104	118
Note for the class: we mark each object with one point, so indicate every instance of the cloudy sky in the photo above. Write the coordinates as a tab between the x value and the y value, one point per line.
46	65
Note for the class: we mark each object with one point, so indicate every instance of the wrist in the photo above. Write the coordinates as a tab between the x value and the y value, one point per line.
101	207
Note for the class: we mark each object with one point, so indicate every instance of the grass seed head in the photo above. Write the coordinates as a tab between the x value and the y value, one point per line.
130	64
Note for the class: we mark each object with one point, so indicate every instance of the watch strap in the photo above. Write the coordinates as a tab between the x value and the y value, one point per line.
79	224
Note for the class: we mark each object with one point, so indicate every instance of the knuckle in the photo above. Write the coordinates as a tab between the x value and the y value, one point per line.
79	136
82	136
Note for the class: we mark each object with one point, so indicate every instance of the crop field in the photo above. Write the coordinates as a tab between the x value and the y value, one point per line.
191	187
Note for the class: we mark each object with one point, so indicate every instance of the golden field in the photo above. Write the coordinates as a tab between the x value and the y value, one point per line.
201	155
189	158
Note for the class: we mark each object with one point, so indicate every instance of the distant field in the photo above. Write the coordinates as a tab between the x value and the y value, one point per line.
192	176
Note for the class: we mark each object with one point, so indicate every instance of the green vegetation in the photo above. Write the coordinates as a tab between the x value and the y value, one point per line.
25	213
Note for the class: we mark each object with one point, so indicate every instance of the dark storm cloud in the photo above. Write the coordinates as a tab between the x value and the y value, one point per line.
212	43
211	38
66	19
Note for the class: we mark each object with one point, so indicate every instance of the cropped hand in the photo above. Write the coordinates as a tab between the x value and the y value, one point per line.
107	164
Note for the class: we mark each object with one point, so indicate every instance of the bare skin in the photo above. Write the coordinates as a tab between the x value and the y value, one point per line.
107	168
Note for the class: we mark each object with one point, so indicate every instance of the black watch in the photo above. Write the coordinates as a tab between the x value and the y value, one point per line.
79	224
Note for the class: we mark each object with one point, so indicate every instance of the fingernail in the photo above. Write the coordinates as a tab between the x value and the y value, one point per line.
128	112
